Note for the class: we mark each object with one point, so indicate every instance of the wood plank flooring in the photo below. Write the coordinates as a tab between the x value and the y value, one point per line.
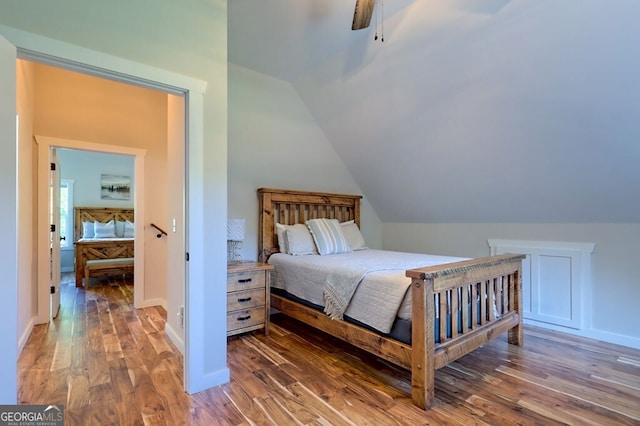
110	364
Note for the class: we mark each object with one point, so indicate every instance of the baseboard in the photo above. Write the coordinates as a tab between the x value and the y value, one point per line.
617	339
24	337
153	302
604	336
174	337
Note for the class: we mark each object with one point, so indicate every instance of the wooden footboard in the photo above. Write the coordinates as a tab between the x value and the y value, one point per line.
471	302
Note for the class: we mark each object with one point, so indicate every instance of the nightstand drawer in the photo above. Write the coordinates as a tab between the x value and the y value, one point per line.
245	280
244	318
245	299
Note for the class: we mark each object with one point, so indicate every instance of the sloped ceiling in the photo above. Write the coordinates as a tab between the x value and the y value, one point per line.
470	110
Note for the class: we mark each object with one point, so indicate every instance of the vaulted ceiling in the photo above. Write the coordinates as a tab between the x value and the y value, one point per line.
470	110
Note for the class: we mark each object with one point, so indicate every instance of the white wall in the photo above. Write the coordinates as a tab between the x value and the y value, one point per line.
615	290
26	227
274	142
86	168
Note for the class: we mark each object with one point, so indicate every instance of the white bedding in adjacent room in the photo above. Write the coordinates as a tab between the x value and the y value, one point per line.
380	291
89	240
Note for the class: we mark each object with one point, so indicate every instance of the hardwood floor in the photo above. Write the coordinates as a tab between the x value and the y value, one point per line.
111	364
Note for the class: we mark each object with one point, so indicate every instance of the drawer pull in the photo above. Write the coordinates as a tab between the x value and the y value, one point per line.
244	299
244	281
244	318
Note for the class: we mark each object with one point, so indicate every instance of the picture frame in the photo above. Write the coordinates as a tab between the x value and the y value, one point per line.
115	187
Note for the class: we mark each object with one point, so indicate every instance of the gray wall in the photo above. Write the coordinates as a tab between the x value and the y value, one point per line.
274	142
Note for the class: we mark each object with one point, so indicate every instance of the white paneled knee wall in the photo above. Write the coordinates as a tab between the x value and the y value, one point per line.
556	282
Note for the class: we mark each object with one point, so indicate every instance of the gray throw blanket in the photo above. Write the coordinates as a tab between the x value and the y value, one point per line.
339	288
342	283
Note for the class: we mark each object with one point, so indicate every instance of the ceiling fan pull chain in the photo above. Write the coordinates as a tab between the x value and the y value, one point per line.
376	18
382	22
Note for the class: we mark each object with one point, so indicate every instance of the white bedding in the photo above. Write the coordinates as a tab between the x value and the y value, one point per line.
94	240
379	297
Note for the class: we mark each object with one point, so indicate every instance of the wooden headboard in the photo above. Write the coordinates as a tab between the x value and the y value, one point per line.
290	207
99	214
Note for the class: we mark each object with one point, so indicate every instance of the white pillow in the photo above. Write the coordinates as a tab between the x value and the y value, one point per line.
299	240
282	241
104	230
119	229
327	233
87	230
353	235
129	230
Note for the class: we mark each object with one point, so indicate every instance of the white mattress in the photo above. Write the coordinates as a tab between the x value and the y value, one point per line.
381	295
95	240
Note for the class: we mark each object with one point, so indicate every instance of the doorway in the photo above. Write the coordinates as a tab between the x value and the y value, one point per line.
45	145
144	117
205	364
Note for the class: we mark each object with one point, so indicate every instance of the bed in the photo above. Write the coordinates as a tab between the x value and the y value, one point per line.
106	255
480	298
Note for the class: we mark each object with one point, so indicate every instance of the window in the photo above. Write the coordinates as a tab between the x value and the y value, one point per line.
66	213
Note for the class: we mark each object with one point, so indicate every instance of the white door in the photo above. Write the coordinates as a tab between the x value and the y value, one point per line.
54	215
8	216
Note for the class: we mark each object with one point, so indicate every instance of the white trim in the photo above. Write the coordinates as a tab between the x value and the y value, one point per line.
153	302
45	143
556	245
22	341
64	55
579	252
604	336
8	215
174	337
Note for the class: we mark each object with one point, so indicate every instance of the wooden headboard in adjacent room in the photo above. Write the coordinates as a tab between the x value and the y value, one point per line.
290	207
99	214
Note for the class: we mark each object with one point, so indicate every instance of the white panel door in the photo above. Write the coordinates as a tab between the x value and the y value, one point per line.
8	216
554	277
54	214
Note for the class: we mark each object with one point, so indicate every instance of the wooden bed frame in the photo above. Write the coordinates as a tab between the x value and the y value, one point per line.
496	278
100	250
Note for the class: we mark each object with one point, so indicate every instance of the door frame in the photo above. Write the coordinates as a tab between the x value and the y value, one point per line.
9	125
45	144
203	367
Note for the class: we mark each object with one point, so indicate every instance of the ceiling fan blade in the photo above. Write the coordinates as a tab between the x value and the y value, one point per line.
362	14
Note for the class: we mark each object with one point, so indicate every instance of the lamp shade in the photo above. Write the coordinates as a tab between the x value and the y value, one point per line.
235	229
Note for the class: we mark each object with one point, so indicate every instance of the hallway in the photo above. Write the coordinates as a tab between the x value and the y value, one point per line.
106	362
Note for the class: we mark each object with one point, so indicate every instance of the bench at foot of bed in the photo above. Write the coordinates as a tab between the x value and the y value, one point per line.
107	267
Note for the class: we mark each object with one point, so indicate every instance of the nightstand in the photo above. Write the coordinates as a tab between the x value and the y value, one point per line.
248	297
